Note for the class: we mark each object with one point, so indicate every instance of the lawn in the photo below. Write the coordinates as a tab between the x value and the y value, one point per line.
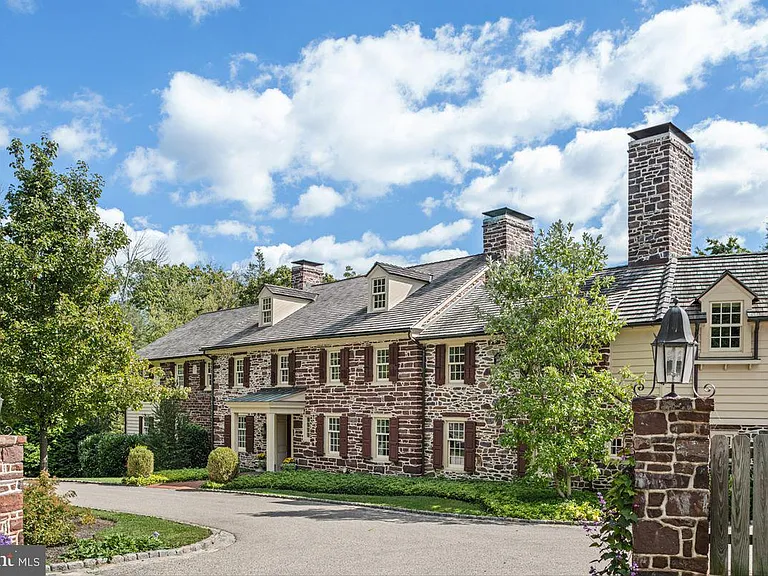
180	475
96	480
173	534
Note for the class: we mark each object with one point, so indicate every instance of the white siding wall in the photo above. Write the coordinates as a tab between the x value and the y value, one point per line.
132	417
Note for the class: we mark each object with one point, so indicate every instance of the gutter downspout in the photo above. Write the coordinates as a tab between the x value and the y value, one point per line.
213	388
756	345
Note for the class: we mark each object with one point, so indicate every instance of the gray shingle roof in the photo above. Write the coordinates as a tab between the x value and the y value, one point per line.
269	394
463	317
291	292
404	272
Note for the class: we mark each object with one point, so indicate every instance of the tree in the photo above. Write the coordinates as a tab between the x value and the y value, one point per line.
65	347
127	262
765	246
553	323
256	275
715	247
349	272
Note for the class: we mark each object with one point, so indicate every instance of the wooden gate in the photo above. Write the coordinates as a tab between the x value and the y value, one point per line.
739	478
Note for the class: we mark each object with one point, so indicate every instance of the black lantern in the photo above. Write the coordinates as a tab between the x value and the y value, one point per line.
674	350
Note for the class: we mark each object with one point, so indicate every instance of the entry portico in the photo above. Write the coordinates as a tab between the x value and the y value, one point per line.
280	406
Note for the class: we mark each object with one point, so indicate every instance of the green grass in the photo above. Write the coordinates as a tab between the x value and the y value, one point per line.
411	502
97	480
173	534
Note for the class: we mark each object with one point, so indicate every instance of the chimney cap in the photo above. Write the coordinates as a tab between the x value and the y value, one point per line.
306	263
661	129
505	210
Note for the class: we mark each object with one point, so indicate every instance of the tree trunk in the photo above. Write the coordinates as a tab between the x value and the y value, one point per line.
43	449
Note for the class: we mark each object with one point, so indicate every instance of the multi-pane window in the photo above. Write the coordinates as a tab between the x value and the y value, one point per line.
334	366
241	432
239	371
726	326
285	371
381	434
266	310
456	363
379	293
208	374
334	430
455	440
617	447
149	424
180	374
382	364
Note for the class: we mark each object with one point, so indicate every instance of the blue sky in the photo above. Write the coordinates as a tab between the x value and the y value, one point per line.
349	132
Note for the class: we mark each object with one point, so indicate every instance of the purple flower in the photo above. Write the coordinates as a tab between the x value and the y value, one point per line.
5	540
601	499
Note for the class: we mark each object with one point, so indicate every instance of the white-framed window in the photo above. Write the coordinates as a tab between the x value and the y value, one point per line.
305	428
379	294
266	310
208	374
284	371
180	374
382	364
334	366
456	364
333	435
240	432
725	326
381	438
616	447
454	444
239	371
149	423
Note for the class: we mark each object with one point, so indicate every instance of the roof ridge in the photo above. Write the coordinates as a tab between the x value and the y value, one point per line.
441	261
667	284
729	255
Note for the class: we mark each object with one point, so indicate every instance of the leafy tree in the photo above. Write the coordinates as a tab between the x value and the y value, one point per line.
349	272
765	246
554	321
256	275
715	247
328	278
65	347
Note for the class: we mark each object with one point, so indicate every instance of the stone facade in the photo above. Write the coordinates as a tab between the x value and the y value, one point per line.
11	480
660	213
506	233
671	450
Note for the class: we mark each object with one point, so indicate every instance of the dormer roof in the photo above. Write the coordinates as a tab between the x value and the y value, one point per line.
290	292
402	272
727	274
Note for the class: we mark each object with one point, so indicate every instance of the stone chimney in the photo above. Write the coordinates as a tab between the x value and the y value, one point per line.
506	233
306	274
660	199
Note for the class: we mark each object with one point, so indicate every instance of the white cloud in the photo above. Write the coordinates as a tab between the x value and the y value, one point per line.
90	104
196	9
22	6
31	99
439	235
232	228
6	106
141	222
438	255
533	43
5	136
659	113
83	140
429	204
145	167
237	61
318	201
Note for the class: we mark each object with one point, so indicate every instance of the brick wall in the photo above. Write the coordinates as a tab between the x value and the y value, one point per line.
671	444
11	478
506	235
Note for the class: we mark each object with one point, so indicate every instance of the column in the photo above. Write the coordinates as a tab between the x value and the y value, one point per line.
271	441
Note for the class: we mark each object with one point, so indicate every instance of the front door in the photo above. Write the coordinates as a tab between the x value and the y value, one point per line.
283	439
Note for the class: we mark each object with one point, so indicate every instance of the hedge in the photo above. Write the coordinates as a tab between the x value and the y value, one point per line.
106	454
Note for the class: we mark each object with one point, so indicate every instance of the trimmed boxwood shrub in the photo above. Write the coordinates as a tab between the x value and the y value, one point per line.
223	464
141	462
106	454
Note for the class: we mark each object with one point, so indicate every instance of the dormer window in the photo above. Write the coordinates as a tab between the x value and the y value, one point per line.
725	326
379	294
266	310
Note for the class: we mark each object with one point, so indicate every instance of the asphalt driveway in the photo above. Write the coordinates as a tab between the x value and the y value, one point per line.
277	536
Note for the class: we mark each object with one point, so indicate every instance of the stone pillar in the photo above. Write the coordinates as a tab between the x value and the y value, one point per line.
671	445
11	479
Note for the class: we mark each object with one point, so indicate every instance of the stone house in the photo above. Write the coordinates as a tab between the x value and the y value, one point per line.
389	372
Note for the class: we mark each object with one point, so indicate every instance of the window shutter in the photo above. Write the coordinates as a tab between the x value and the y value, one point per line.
202	371
231	371
437	444
522	463
323	366
320	432
470	446
368	364
249	434
344	372
274	370
394	439
187	368
292	368
228	430
440	364
367	433
167	368
343	436
394	361
247	371
141	424
469	363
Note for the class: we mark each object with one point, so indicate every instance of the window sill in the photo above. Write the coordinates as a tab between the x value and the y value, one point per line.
455	470
457	384
378	460
332	455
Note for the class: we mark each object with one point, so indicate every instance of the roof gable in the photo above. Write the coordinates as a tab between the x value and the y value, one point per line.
727	277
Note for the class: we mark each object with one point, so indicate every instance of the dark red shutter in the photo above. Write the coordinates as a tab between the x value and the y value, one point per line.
187	368
522	463
274	370
323	366
320	435
249	434
247	371
168	374
203	371
440	364
394	361
367	433
343	436
231	371
228	430
394	439
344	372
470	446
292	368
437	444
368	376
469	363
141	424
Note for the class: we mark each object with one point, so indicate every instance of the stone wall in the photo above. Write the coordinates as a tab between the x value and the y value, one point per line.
671	449
11	479
506	233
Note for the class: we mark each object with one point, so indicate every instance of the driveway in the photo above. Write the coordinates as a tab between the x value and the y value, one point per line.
277	536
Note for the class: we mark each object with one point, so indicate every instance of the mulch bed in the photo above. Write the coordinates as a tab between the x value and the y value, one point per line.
190	485
84	531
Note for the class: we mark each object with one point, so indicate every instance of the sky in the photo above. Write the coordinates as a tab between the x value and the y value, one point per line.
348	132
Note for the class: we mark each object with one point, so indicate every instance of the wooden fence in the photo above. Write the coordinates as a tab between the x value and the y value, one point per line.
737	481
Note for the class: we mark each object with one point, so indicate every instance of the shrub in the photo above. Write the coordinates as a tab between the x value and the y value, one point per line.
184	474
49	518
63	457
175	441
145	480
106	454
111	545
141	461
193	445
223	464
